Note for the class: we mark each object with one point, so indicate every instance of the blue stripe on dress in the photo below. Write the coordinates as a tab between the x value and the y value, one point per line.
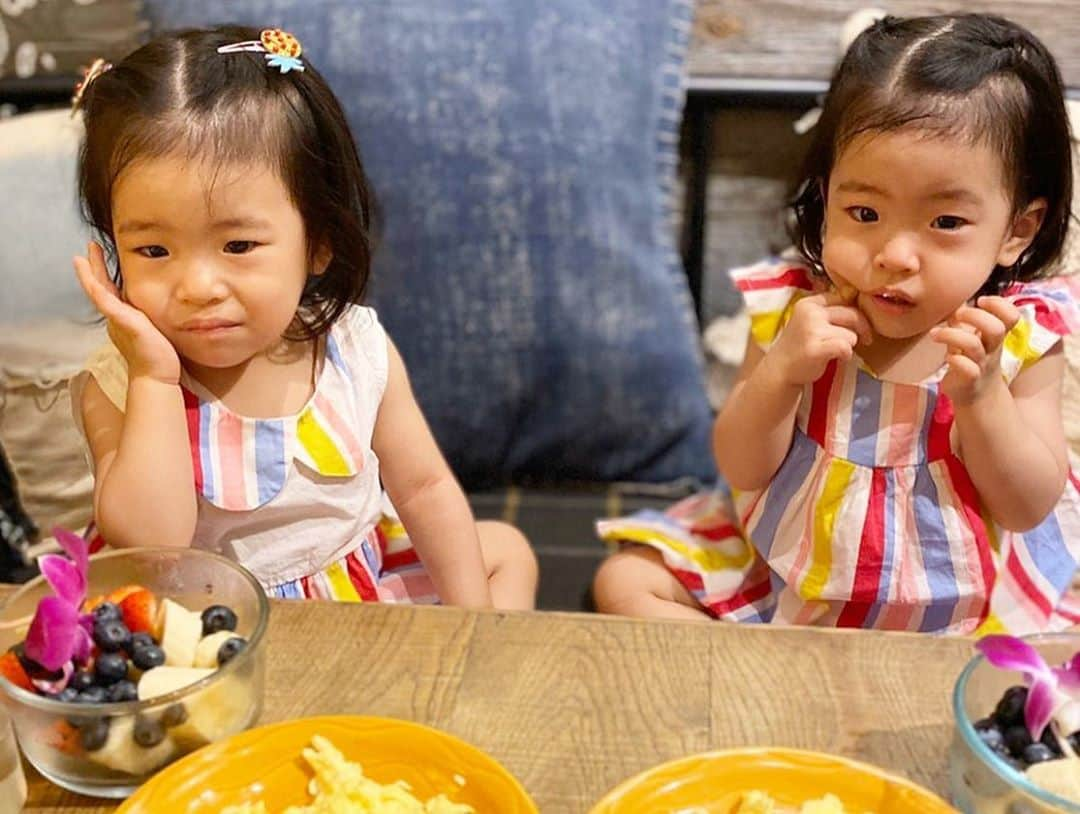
209	487
933	542
865	420
289	590
932	395
1046	548
888	550
270	464
333	354
789	478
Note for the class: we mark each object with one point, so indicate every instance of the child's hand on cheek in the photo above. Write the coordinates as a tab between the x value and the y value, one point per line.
148	353
973	338
822	328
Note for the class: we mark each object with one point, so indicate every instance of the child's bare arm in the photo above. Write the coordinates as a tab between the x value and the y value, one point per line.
1011	437
144	490
1013	444
426	495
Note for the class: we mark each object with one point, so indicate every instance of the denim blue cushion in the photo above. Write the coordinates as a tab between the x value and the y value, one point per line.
522	152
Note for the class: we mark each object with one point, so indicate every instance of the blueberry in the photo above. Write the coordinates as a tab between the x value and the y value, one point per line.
93	733
174	715
1037	753
146	658
123	690
112	635
82	680
92	695
141	640
1010	709
1017	738
992	737
148	732
110	668
107	611
217	618
229	648
1050	741
68	695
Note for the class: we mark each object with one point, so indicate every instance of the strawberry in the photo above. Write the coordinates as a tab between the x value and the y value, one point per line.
11	669
120	594
139	610
64	738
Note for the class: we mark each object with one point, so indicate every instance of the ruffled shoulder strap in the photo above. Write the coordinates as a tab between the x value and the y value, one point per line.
1049	311
770	289
109	369
356	346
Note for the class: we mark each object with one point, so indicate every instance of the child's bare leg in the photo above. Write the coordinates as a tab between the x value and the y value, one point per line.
635	582
511	565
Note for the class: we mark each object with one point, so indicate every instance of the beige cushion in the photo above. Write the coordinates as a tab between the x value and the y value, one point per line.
36	429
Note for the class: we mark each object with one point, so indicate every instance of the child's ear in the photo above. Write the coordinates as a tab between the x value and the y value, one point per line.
321	260
1025	227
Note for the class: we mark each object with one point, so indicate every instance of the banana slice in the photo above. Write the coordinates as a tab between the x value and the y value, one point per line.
207	649
121	753
181	630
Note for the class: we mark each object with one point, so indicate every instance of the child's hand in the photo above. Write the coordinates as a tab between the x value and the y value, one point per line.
973	337
822	328
147	351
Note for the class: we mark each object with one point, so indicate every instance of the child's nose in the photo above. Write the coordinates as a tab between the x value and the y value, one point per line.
899	254
201	282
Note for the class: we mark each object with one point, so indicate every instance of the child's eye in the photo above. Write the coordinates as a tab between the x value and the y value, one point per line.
152	252
948	222
862	214
240	246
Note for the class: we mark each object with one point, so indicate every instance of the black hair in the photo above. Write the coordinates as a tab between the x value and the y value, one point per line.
973	76
177	93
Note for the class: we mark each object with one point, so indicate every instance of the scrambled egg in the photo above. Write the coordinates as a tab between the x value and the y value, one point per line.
758	802
340	787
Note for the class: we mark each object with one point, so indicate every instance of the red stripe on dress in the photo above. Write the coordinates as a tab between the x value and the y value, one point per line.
360	578
691	580
792	277
721	532
399	559
191	411
1047	318
1030	589
867	585
745	597
308	588
937	439
969	502
818	423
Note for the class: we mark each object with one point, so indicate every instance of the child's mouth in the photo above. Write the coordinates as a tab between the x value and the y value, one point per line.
893	300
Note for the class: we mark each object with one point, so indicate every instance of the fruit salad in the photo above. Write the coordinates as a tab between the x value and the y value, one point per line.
130	645
1035	726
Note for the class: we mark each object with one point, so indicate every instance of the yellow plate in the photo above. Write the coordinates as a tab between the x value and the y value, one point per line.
714	782
265	764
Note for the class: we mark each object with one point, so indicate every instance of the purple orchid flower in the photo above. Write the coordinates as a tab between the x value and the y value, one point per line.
60	632
1050	689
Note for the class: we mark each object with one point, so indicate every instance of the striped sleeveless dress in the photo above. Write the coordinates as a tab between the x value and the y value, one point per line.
297	500
872	519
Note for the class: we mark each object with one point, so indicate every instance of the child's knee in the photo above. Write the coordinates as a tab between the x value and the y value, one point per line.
621	577
505	545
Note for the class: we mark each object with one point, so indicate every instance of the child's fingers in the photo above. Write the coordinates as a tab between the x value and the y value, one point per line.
960	340
851	318
961	365
96	255
1001	308
990	327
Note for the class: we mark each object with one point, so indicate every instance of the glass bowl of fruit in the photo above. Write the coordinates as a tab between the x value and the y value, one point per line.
1017	732
113	667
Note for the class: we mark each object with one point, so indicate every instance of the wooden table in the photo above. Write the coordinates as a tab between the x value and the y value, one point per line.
573	703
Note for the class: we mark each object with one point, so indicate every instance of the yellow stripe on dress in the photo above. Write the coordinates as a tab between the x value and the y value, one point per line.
707	559
324	454
991	625
764	327
825	515
340	584
1018	344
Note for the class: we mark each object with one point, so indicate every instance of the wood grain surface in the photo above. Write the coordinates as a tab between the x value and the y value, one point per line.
573	703
799	38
